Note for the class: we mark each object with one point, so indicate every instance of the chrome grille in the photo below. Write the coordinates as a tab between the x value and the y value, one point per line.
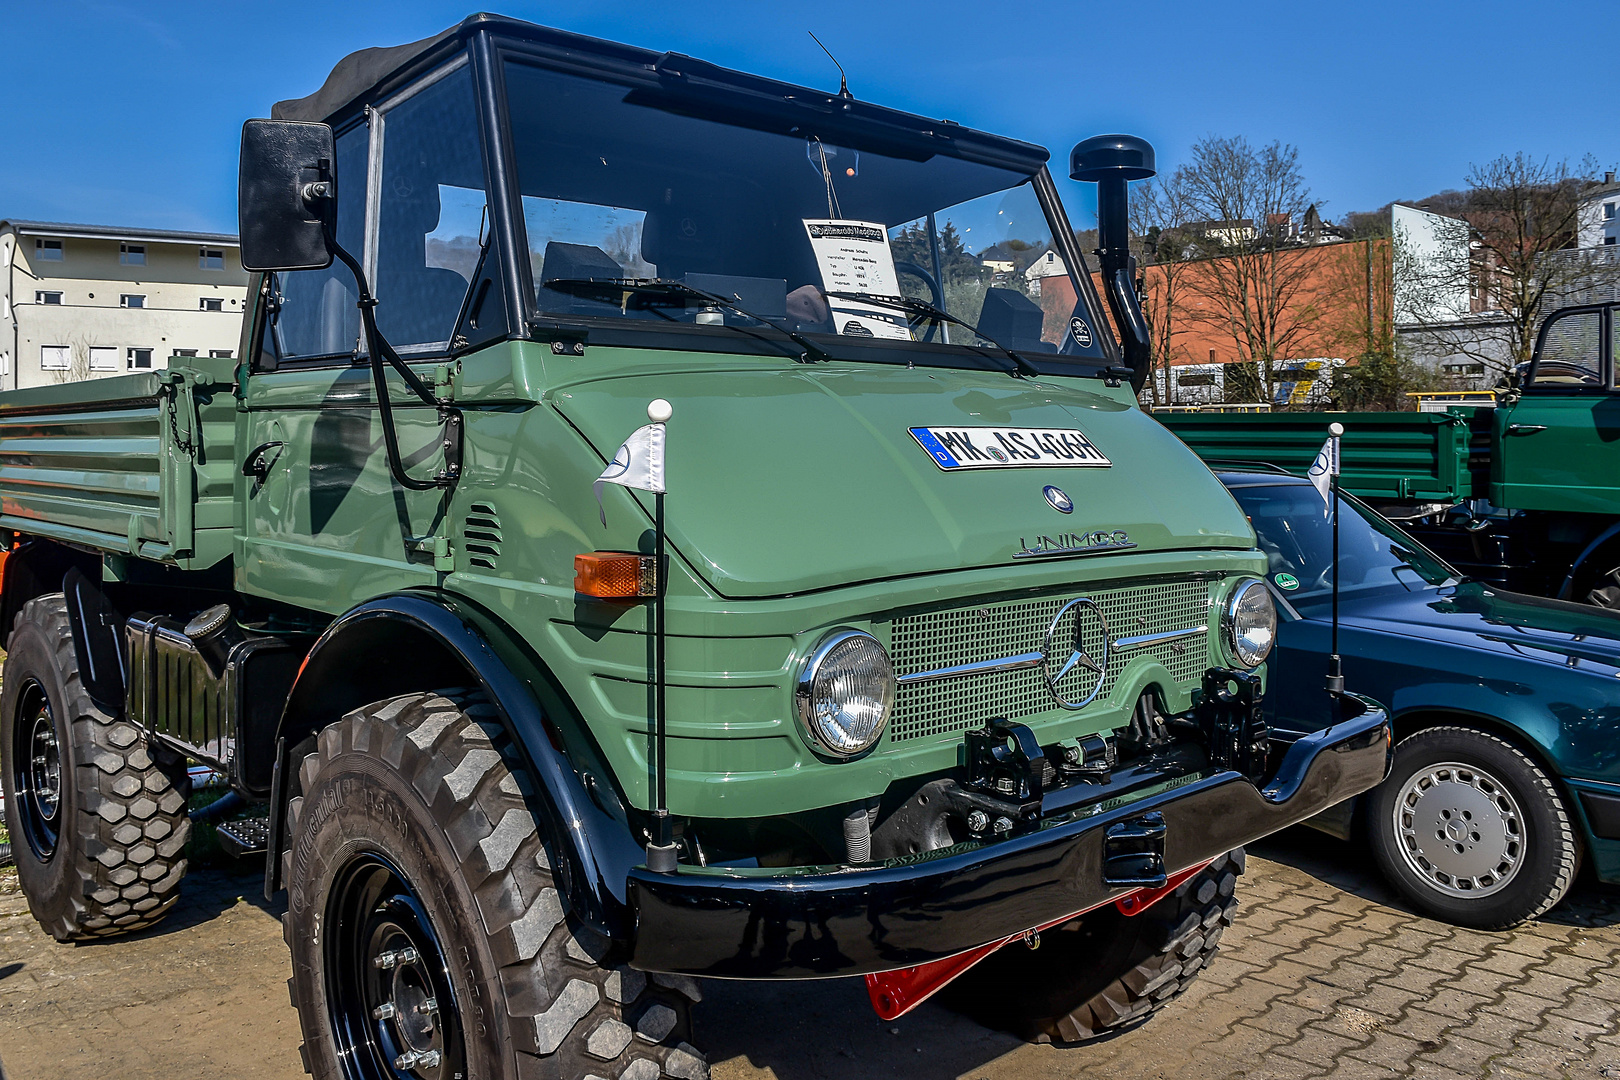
939	639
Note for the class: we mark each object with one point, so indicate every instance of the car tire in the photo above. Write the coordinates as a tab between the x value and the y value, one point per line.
96	812
1105	971
1471	830
423	918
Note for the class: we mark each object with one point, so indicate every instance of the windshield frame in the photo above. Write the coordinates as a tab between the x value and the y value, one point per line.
707	89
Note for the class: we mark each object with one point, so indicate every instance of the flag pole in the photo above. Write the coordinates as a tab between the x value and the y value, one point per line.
1335	676
661	853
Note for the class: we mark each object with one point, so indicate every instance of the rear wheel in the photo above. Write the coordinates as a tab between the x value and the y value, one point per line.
1105	970
1471	830
428	938
97	815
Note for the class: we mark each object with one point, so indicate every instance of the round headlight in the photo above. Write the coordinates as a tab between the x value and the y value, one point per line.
1251	623
846	693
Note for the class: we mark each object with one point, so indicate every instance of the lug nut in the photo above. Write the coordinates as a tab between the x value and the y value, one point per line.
410	1059
977	820
384	1011
394	958
431	1005
1003	825
1005	785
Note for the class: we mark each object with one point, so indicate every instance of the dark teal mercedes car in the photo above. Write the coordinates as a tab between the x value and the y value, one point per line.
1506	707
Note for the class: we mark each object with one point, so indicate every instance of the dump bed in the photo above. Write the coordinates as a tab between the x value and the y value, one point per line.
1384	456
139	464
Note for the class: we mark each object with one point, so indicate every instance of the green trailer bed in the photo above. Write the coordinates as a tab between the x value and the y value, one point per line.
136	465
1400	457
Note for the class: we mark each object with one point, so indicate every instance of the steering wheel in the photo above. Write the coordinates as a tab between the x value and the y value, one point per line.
936	294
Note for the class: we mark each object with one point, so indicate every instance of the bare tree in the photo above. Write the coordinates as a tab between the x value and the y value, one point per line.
1257	287
1160	212
1483	292
78	369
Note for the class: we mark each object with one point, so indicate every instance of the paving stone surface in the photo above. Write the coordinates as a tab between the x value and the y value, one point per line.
1324	975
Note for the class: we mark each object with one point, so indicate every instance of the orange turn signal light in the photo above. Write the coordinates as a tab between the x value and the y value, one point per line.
614	575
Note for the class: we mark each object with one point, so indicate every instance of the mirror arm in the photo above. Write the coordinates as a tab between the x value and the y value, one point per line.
378	350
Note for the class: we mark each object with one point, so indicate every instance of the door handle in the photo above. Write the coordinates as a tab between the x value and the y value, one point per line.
255	465
1525	429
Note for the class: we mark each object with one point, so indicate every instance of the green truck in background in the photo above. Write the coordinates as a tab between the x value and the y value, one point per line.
1523	493
964	652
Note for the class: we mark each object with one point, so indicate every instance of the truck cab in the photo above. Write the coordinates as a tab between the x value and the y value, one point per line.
930	641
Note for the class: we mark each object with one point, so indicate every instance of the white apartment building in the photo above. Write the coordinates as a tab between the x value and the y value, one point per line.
1599	214
87	301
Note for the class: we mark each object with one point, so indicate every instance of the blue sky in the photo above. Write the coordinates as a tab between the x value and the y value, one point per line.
128	113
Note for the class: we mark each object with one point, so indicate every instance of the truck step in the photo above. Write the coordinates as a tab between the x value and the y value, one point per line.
244	836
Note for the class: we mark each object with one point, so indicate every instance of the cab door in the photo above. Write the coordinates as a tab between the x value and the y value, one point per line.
1558	446
325	525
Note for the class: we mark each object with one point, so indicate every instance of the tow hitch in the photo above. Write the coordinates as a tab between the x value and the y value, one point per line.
895	993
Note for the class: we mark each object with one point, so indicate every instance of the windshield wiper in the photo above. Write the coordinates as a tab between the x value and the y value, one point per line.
913	306
619	290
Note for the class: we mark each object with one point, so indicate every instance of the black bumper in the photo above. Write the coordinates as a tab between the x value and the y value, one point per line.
816	922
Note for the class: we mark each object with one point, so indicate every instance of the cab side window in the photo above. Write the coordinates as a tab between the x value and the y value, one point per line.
1571	355
430	213
317	316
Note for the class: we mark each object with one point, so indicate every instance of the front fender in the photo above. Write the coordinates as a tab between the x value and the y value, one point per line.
419	640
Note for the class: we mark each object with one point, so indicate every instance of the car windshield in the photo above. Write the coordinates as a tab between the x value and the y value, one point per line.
1295	530
618	184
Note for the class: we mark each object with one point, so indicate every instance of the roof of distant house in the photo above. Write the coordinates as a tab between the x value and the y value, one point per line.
116	232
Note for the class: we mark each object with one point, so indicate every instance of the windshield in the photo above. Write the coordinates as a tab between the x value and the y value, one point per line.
616	184
1295	531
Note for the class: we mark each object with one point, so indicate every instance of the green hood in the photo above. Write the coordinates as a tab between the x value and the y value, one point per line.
786	481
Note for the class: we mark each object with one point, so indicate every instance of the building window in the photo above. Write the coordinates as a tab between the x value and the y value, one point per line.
1196	379
48	250
54	357
132	300
103	358
212	303
1608	211
1608	240
211	258
1464	368
132	254
5	363
139	359
41	297
185	352
220	354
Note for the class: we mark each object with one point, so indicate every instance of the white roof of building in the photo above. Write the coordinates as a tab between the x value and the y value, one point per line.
116	232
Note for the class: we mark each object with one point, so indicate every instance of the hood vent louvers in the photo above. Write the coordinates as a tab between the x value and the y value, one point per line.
481	535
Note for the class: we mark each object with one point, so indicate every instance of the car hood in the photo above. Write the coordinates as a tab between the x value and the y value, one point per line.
789	480
1477	616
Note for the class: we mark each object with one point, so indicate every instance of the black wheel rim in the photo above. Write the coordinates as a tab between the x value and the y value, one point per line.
388	993
36	771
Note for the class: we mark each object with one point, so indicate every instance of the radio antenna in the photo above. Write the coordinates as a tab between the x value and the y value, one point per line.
843	82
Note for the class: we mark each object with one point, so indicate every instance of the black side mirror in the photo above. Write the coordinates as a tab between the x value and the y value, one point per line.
1110	162
286	196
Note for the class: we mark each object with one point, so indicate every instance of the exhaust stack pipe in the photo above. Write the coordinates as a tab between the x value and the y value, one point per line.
1110	162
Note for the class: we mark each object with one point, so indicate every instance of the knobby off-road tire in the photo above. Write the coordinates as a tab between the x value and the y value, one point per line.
1105	970
411	829
1512	852
99	837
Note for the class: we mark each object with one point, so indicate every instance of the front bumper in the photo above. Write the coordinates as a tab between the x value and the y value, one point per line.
818	922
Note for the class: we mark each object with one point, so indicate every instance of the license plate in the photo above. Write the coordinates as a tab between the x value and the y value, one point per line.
1008	448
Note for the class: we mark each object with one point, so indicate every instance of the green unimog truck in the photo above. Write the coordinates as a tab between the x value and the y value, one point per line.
959	653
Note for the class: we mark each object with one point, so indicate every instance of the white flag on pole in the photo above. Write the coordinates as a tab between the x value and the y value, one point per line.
638	464
1326	465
